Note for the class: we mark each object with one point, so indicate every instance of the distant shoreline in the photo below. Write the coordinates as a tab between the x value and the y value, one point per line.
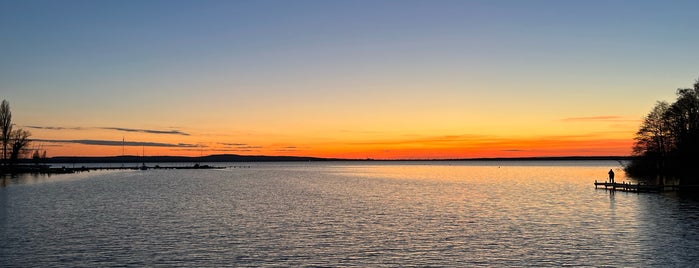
262	158
44	165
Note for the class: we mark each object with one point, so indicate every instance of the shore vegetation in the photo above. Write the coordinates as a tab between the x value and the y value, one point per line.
667	141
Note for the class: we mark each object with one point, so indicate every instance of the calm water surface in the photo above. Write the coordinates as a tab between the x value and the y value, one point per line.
345	214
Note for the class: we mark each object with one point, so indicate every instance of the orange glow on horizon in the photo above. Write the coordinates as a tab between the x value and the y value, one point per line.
589	136
440	148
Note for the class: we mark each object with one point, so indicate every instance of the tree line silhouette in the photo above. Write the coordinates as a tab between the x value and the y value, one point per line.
666	144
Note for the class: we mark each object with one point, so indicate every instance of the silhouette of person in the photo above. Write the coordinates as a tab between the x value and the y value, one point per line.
611	175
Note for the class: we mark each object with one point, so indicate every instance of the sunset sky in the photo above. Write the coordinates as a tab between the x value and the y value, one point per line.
342	78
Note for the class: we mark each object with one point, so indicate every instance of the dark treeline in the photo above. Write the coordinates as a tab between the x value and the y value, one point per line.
180	159
667	142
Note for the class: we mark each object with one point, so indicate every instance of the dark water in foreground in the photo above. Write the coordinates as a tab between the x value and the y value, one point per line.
345	214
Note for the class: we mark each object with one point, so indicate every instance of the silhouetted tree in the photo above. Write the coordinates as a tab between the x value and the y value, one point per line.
683	118
667	142
653	143
654	136
6	127
20	141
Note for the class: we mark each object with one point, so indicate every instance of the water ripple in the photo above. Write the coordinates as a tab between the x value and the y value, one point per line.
348	215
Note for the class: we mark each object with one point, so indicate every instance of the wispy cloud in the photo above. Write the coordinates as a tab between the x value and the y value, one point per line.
289	149
150	131
240	146
121	143
54	128
189	145
250	147
233	144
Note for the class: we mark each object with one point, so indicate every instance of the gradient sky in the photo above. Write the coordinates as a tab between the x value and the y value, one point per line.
352	78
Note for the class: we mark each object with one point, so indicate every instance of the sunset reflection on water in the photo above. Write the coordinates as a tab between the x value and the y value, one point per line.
347	213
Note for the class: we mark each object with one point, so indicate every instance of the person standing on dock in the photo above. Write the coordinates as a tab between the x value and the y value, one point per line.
611	175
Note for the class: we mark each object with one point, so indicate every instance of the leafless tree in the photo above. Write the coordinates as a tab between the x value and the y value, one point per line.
5	126
20	141
655	135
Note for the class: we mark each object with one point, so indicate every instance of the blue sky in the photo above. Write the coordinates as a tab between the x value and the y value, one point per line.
262	66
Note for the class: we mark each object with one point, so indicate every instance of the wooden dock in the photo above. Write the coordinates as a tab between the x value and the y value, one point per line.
643	188
629	187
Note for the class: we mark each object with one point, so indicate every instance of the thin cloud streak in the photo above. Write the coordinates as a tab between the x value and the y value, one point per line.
54	128
240	146
233	144
150	131
120	143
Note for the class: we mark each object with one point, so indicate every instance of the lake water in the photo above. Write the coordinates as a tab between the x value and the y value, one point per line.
367	214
